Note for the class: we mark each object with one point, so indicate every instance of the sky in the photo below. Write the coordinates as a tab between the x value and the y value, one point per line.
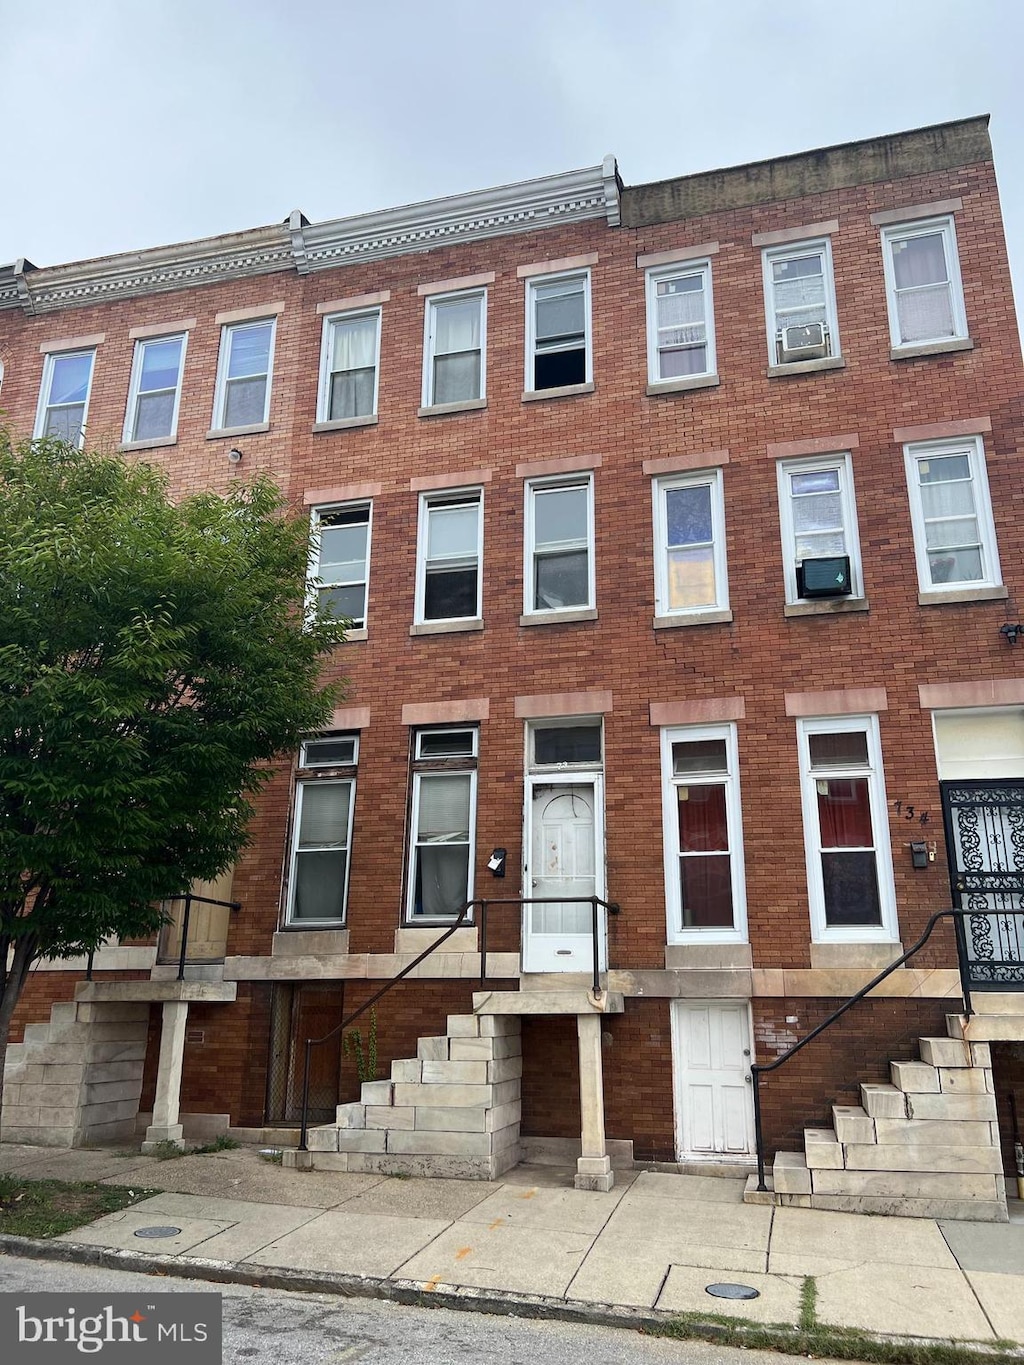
132	123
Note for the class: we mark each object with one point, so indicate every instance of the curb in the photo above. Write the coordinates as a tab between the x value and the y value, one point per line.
507	1303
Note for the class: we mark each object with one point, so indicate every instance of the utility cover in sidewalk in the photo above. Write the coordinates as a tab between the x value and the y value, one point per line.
728	1291
157	1232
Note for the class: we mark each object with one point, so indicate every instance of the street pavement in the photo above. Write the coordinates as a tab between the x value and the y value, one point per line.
530	1243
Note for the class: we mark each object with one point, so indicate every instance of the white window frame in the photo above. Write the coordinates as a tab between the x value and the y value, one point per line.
677	734
131	415
821	932
535	283
313	582
227	332
439	499
323	400
842	462
459	766
711	478
305	755
973	447
920	228
295	852
792	250
45	386
533	487
429	340
653	277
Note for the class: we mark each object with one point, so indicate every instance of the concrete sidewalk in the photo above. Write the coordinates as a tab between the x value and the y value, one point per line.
655	1242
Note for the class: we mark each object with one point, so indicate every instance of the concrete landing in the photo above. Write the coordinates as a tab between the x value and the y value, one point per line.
547	1002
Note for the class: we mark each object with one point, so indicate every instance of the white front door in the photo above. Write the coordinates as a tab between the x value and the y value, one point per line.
711	1049
563	861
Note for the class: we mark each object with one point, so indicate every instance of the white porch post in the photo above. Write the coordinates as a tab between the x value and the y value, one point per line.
594	1167
165	1126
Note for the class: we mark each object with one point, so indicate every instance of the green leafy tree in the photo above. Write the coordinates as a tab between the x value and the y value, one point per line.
154	659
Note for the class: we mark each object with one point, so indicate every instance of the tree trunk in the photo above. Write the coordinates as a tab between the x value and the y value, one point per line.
10	993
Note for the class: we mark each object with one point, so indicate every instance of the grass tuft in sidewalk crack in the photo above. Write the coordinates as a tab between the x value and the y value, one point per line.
809	1303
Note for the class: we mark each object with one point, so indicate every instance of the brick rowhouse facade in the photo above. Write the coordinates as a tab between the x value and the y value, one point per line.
751	666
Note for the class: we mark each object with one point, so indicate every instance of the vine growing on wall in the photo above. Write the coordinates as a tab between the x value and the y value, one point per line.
365	1056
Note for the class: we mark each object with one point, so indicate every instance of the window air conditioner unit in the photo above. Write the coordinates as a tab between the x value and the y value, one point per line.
809	342
824	577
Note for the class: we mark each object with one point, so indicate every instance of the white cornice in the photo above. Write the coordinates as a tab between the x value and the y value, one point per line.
573	196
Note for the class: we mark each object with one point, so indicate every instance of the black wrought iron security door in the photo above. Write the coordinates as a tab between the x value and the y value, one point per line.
985	842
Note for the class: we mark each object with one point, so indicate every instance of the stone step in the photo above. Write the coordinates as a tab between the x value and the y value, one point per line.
933	1132
909	1184
918	1078
852	1123
995	1028
752	1195
945	1051
949	1106
790	1173
822	1149
998	1002
973	1210
547	1002
895	1156
883	1101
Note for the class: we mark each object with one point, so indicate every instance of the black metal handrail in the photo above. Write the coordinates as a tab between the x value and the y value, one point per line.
594	902
757	1071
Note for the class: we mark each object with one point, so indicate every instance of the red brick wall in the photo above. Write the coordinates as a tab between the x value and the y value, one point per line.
830	1070
759	656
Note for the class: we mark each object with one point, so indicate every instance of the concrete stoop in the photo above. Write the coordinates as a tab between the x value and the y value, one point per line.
926	1146
77	1079
453	1110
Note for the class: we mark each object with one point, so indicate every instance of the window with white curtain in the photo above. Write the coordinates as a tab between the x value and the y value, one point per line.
442	824
448	579
155	389
64	396
923	288
680	322
243	375
322	833
454	349
800	303
349	362
339	565
951	511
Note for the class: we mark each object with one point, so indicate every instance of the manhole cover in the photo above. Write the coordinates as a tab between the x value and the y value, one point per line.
732	1291
157	1232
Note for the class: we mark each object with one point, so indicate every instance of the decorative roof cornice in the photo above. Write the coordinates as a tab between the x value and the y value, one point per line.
572	196
260	251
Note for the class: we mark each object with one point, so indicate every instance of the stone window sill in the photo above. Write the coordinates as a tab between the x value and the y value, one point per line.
445	409
153	444
932	348
697	381
225	433
693	618
798	367
558	618
566	391
827	606
345	423
359	633
446	627
989	594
